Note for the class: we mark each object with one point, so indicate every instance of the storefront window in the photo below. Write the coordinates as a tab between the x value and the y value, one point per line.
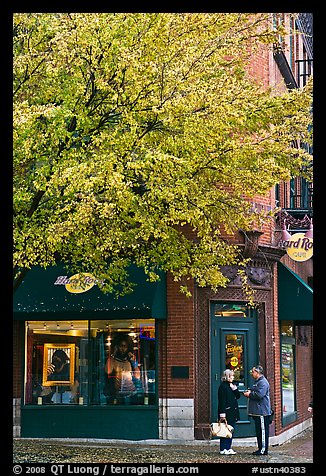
90	362
125	352
288	368
55	361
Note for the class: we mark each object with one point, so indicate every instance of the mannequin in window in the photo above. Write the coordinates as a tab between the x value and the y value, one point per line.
123	371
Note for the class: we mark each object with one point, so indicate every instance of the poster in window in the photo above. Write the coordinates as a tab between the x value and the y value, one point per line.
58	364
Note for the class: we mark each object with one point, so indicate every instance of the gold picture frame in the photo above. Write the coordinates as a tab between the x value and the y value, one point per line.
58	364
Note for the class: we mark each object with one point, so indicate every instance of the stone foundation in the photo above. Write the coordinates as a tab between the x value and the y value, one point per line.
176	419
16	417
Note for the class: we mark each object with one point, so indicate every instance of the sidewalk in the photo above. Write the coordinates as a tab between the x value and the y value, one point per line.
29	450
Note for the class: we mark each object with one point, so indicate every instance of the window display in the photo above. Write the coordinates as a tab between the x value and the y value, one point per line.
125	351
58	364
90	362
288	368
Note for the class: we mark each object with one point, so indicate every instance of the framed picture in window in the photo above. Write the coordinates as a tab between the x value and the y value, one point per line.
58	364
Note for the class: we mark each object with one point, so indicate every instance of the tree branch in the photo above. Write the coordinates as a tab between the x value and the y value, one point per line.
19	275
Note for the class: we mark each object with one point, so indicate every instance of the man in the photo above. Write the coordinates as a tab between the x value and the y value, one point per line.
259	408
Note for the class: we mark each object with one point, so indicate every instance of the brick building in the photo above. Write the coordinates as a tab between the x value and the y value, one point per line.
181	344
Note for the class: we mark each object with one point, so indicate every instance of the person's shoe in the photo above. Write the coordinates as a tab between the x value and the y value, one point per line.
224	452
231	452
259	453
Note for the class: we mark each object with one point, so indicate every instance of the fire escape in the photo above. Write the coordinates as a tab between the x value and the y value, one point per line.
296	196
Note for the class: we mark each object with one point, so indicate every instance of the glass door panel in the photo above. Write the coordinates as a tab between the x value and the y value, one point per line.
235	356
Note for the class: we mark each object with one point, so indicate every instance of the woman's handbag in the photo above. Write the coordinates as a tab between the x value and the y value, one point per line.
222	429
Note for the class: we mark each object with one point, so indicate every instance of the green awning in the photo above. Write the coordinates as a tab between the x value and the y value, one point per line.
38	297
295	297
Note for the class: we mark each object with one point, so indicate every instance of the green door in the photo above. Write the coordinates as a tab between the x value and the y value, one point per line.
233	346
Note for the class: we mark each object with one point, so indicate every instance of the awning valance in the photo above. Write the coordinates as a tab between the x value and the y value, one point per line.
43	292
295	297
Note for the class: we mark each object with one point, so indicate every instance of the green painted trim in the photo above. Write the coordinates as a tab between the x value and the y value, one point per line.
292	417
295	297
73	421
38	298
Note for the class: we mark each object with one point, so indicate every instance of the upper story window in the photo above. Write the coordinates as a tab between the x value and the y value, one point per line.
279	20
296	196
294	45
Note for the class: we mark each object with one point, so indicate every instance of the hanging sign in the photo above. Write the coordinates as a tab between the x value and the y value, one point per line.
299	247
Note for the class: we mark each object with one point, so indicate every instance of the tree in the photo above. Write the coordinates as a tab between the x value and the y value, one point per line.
141	137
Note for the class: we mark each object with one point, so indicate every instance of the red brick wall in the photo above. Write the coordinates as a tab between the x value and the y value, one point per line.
304	373
277	397
179	342
259	66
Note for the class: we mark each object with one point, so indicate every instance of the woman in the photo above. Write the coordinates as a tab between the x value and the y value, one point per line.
59	369
59	372
228	395
122	370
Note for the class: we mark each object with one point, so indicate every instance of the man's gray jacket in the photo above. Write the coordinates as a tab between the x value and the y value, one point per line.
259	401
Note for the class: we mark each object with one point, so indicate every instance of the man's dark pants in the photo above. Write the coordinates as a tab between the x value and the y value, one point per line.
262	432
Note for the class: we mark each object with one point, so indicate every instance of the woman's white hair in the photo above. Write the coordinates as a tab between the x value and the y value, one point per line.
226	375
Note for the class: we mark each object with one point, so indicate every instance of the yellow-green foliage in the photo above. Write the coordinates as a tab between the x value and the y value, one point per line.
130	128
